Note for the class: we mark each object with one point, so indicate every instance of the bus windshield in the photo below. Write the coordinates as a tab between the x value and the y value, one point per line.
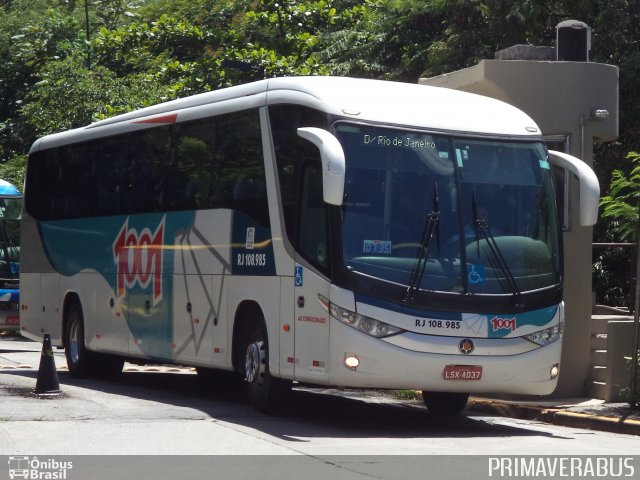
448	214
10	211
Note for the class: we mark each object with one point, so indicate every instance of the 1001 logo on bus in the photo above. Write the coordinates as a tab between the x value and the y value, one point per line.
499	323
138	259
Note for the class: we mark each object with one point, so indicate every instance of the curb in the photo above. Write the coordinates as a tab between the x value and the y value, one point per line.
556	416
597	422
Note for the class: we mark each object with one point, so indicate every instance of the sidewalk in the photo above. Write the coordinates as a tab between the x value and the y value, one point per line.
574	412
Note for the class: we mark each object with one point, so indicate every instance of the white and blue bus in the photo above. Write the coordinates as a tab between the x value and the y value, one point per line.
10	210
331	231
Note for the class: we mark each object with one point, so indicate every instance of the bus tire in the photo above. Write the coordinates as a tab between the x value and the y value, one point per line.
266	393
81	362
445	403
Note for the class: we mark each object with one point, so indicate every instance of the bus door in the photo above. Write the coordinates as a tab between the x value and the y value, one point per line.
311	325
311	318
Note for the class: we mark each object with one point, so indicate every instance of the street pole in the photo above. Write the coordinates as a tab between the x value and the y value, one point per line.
633	399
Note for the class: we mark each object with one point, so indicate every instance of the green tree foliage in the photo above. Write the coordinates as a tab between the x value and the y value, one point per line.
613	268
22	44
622	203
147	60
70	95
174	55
14	171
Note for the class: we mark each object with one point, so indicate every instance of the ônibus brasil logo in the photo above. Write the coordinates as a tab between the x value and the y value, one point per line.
138	259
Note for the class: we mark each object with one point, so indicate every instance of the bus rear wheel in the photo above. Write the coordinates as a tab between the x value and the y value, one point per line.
445	403
80	361
266	393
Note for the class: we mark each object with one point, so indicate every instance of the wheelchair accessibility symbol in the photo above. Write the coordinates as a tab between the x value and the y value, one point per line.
298	277
475	273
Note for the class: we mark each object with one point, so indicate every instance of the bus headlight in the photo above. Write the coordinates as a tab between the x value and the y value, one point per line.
546	336
368	325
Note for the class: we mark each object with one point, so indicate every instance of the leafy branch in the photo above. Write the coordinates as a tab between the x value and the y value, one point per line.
622	205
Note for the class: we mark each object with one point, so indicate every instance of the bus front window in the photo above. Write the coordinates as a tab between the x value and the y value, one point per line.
437	213
509	216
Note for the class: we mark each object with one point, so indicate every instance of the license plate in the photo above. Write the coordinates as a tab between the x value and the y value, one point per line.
463	372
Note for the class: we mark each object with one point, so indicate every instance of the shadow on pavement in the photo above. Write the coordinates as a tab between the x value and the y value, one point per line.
307	413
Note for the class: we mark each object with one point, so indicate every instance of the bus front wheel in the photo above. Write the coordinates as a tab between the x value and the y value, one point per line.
266	393
445	403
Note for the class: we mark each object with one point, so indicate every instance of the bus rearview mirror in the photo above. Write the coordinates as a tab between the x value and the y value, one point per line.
333	165
589	185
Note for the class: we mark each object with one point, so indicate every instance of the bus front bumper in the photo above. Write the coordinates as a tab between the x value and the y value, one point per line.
387	366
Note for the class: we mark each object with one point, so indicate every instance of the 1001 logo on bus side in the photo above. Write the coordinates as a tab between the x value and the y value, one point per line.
138	259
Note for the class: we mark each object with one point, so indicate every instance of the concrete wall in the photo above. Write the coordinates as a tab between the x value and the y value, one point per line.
561	98
619	346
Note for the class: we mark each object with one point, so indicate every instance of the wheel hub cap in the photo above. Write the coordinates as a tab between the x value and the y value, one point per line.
253	362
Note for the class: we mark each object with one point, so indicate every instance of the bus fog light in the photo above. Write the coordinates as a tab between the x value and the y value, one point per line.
555	371
351	361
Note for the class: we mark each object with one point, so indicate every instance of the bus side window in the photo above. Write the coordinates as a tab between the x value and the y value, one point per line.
73	174
220	165
300	174
312	221
110	175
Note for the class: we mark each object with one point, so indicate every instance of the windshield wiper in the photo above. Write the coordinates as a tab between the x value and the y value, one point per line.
422	257
482	227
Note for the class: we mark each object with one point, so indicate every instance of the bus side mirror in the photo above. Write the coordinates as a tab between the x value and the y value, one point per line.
333	165
589	185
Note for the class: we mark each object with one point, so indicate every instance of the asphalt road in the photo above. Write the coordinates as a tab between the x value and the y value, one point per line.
165	411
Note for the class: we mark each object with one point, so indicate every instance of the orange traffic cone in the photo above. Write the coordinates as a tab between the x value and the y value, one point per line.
47	383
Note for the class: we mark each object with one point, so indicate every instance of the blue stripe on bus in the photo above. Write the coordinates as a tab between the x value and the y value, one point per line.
538	317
